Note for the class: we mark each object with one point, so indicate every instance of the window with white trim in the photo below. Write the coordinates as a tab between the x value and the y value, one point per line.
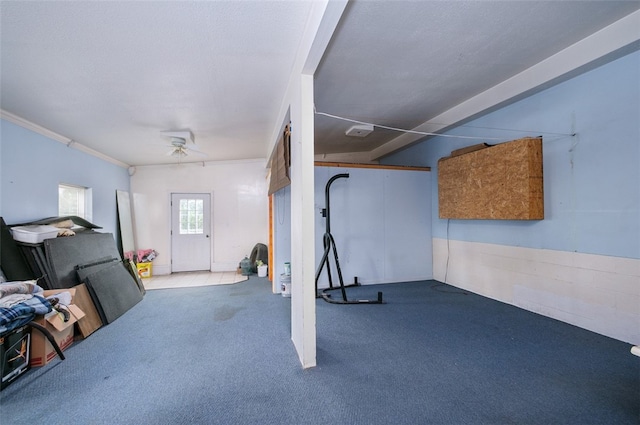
191	216
74	200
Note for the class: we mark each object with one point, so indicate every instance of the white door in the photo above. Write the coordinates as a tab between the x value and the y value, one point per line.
190	231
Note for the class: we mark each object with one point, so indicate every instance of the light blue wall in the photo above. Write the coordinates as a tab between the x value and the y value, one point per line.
32	166
282	233
591	181
380	222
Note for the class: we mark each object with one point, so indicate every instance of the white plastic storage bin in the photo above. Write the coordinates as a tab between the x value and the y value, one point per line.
34	234
262	270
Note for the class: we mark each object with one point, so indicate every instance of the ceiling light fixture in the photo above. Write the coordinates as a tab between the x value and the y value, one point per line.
179	152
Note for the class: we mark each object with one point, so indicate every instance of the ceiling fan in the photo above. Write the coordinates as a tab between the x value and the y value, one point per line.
182	144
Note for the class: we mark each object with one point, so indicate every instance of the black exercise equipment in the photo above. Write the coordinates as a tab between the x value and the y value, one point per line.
329	243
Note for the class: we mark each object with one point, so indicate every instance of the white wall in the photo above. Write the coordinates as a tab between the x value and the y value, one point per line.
381	223
239	208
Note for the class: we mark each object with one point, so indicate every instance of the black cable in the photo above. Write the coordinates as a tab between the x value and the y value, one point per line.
446	269
446	273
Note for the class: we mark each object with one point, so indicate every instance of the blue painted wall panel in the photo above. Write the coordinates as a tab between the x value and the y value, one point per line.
381	223
32	166
591	181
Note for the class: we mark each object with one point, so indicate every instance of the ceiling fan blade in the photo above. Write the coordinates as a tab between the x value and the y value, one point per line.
192	147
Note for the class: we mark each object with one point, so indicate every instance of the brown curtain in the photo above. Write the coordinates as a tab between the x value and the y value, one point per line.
280	163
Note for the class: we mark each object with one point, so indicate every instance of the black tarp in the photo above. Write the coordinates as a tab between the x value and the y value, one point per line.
14	265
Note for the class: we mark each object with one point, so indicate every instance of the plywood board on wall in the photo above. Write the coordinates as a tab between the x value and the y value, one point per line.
501	182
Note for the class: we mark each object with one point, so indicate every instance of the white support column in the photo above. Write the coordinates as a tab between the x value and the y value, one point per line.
298	101
303	296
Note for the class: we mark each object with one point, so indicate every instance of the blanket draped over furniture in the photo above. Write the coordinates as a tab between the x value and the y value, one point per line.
20	302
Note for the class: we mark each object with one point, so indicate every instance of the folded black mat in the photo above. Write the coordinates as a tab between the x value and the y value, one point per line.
65	253
113	290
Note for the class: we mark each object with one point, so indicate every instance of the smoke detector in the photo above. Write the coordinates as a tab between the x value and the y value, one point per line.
360	130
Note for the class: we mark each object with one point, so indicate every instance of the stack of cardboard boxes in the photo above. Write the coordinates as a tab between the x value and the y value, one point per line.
26	347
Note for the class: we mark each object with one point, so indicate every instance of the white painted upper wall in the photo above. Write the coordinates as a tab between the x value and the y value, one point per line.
239	208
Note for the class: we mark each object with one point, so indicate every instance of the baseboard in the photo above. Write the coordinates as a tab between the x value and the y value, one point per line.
165	269
161	269
224	267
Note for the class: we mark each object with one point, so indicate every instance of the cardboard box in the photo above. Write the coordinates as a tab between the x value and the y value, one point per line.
144	269
42	352
14	355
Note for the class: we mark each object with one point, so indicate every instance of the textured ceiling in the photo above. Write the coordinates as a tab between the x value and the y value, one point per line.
400	64
113	75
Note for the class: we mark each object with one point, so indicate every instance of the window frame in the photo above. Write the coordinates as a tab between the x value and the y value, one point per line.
84	201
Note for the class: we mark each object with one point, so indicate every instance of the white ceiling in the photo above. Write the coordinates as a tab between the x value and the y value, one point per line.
113	75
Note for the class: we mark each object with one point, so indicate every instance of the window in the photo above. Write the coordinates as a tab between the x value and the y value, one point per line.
74	200
191	216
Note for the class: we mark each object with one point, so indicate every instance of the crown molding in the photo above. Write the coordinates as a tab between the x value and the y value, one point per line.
205	163
70	143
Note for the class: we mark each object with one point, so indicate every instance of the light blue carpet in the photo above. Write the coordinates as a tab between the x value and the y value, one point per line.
431	355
